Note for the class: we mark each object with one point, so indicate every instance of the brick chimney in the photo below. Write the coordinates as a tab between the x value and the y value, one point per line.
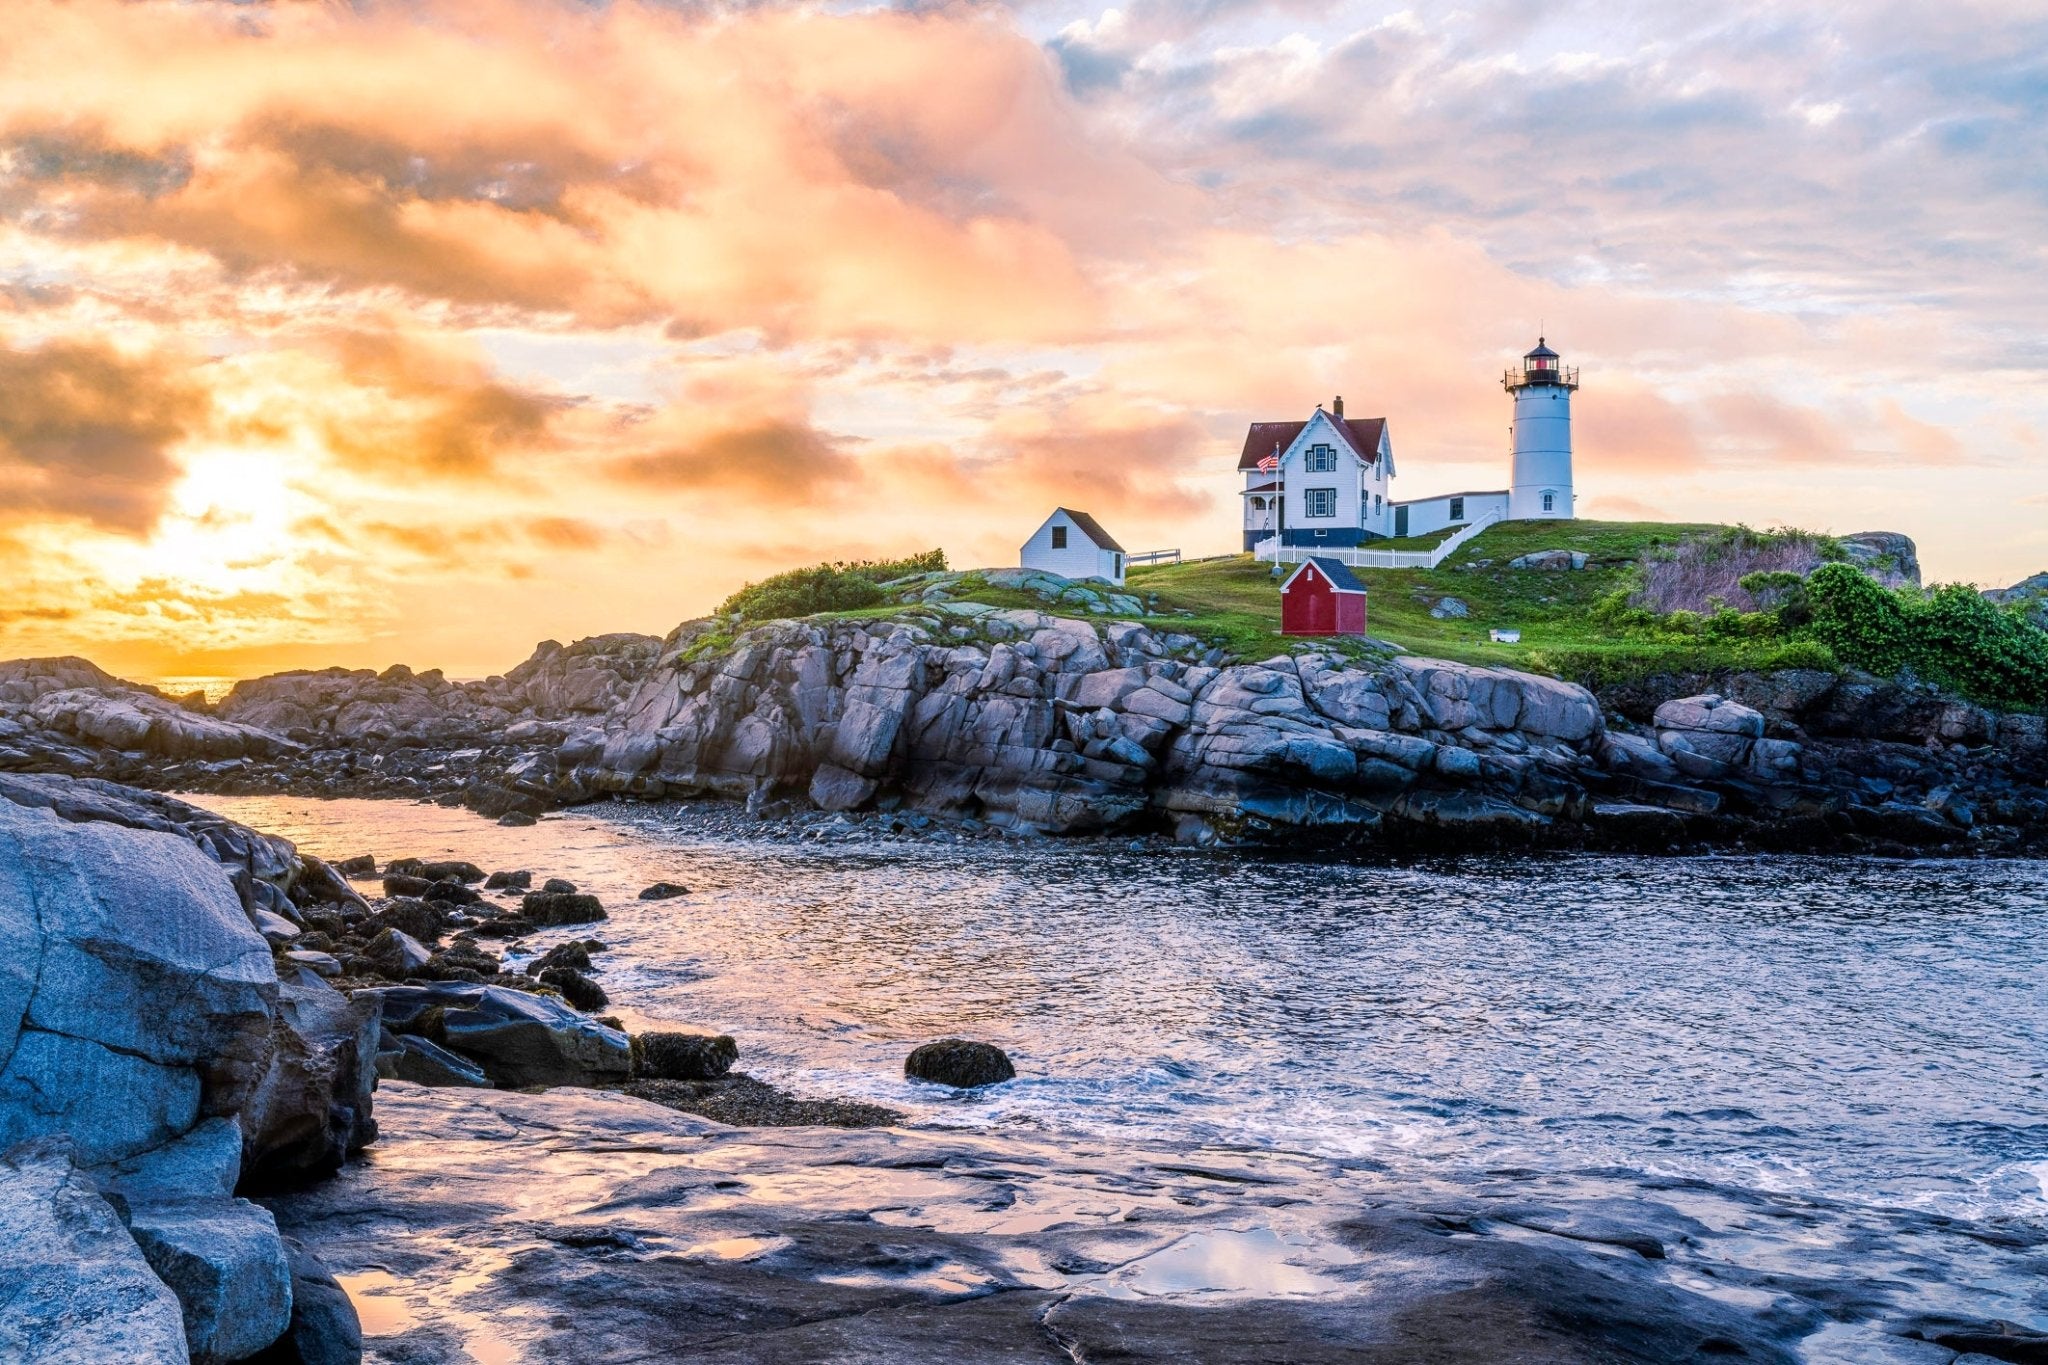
1337	407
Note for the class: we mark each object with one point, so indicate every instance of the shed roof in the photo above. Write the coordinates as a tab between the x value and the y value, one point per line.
1262	438
1090	528
1339	573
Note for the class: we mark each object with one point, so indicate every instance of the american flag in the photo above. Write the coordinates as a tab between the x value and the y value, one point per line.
1269	464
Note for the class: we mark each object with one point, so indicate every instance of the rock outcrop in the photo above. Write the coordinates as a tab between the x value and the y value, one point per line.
515	1037
2029	597
1026	722
143	1029
1039	722
1890	557
74	1287
362	706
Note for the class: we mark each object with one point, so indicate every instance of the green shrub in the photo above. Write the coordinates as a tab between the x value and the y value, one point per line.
1949	635
841	586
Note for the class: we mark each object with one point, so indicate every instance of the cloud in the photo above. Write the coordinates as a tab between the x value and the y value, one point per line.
771	457
432	408
389	359
87	432
565	533
860	174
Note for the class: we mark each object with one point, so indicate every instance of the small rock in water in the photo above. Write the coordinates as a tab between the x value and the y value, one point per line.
555	886
662	891
451	869
448	892
508	881
576	988
405	884
575	956
561	907
683	1056
960	1063
361	866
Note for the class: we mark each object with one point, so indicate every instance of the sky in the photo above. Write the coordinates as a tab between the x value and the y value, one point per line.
422	330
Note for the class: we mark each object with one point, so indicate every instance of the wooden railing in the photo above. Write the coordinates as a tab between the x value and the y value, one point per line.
1154	557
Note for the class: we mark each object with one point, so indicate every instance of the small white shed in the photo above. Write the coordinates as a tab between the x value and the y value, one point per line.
1074	545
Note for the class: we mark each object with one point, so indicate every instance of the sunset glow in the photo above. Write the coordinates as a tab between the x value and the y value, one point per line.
422	331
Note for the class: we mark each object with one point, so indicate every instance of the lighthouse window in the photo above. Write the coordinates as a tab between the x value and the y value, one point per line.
1457	509
1320	502
1550	502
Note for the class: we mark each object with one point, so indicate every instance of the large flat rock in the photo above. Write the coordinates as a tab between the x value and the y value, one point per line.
586	1225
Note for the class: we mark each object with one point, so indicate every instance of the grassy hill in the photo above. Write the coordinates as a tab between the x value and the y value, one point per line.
1568	618
1651	597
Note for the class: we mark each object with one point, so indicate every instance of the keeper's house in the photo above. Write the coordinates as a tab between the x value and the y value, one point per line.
1327	483
1074	545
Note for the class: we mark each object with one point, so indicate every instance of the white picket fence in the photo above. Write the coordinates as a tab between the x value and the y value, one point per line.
1272	550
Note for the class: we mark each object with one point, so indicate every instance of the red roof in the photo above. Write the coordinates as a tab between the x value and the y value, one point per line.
1363	433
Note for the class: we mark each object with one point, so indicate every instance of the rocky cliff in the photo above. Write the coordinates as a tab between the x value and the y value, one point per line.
1029	721
1019	719
153	1063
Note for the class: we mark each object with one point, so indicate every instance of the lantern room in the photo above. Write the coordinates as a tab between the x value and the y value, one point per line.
1541	366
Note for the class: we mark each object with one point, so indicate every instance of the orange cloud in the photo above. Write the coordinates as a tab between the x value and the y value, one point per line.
86	431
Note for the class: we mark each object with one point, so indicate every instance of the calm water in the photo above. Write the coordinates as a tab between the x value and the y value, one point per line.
1870	1031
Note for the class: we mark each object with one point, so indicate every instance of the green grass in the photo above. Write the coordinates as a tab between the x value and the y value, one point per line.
1235	602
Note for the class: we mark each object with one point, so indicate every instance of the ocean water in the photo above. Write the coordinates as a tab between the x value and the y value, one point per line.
213	687
1859	1030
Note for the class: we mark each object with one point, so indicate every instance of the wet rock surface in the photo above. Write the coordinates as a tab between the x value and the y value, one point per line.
595	1226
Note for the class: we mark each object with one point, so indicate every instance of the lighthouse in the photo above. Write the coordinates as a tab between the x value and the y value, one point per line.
1542	389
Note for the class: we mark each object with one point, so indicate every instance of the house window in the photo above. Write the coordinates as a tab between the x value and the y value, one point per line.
1119	562
1059	537
1457	509
1379	502
1550	502
1320	502
1258	504
1322	459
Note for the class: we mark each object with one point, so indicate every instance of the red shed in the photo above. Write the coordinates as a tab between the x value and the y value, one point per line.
1322	597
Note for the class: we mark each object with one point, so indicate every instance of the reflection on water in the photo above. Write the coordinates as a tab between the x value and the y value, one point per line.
376	1295
1222	1263
1870	1031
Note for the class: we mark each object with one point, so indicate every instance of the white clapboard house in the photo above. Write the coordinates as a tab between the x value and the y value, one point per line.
1074	545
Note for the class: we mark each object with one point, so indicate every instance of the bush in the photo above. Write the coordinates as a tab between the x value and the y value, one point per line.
1708	568
843	586
1950	635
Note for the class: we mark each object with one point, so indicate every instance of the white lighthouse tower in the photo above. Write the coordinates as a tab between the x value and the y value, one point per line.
1543	436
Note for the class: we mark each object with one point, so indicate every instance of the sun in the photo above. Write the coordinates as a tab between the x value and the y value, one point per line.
228	526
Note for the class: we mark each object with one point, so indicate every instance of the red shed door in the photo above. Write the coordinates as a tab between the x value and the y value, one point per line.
1322	611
